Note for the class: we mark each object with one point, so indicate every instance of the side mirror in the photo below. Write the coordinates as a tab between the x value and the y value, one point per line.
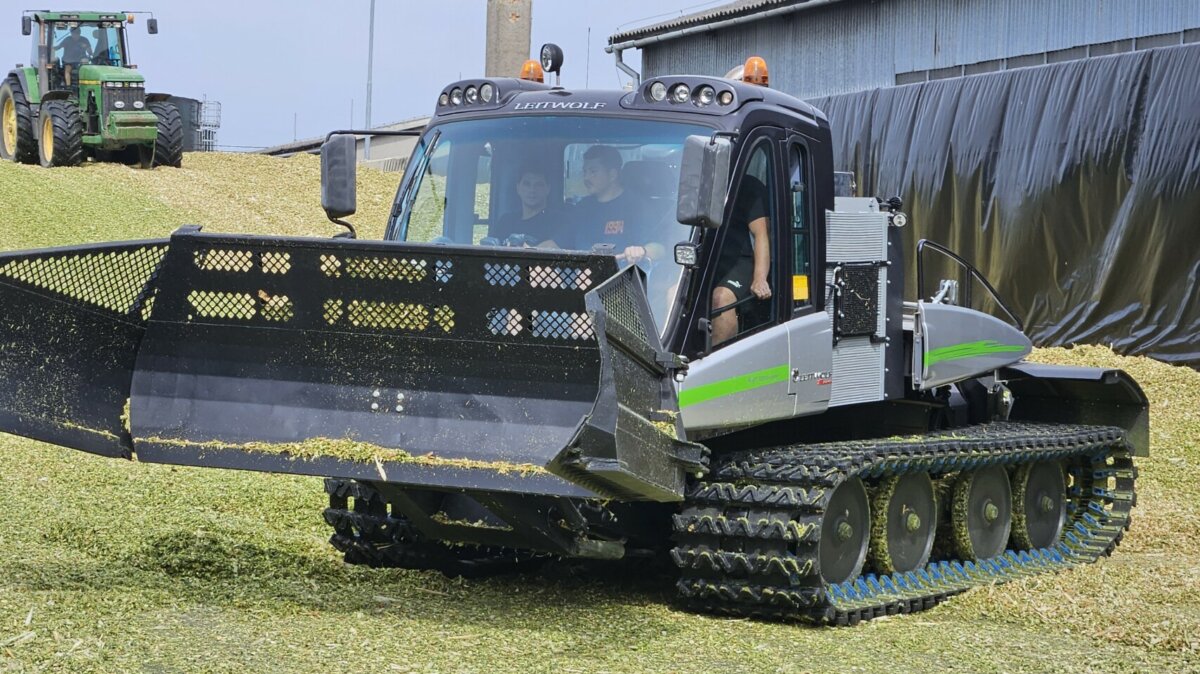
26	25
703	181
152	26
339	171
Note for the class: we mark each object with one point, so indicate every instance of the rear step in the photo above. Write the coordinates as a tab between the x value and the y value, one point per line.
472	368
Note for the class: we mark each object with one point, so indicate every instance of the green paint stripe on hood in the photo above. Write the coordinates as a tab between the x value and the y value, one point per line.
984	347
738	384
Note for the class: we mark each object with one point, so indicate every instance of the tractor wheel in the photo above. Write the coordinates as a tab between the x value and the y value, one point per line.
168	144
16	124
61	143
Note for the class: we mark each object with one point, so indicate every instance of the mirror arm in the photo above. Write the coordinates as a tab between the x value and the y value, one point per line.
731	135
371	132
351	233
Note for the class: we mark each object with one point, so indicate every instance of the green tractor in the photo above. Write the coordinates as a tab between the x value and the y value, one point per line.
81	98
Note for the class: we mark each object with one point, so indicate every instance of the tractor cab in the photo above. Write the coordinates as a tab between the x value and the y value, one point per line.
65	44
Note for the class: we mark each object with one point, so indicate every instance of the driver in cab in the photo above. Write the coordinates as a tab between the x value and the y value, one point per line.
610	214
536	221
75	50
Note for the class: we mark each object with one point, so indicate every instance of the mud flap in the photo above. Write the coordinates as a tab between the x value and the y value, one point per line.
446	367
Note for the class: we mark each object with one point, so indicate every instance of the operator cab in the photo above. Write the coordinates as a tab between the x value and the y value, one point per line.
518	163
63	42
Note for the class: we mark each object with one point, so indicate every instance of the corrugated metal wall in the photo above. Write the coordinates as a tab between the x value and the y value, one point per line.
1074	187
863	44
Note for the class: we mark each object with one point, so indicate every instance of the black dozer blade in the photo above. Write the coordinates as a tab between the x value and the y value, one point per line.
464	368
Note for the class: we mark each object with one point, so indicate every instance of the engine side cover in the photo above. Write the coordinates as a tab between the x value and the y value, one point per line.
955	343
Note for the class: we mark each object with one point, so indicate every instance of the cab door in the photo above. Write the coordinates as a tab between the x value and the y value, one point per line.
743	375
810	332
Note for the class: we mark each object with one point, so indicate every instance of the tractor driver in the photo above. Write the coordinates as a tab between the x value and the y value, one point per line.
745	260
610	214
535	220
75	49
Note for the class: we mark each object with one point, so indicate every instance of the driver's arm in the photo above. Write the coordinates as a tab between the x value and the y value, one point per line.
759	229
647	229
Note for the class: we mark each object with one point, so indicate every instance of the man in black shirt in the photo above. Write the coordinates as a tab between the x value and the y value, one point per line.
75	49
536	220
610	214
745	260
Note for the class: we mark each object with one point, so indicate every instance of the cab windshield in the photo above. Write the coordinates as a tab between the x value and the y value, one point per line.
571	182
75	43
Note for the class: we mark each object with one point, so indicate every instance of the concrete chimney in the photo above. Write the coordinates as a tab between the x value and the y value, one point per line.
508	27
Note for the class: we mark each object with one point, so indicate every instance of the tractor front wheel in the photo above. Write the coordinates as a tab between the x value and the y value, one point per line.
16	124
168	144
61	142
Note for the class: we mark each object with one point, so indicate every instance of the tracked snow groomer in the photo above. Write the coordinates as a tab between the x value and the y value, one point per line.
602	324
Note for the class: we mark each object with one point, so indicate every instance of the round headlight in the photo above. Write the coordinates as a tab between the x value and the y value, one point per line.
486	92
658	91
444	99
705	95
725	97
680	93
471	95
119	104
456	96
138	105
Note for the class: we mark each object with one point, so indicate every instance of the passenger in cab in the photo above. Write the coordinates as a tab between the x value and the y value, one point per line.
612	215
536	220
745	261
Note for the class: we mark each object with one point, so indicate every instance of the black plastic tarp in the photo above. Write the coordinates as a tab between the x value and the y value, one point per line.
1075	188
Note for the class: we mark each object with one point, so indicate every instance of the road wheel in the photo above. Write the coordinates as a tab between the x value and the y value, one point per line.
904	521
16	124
1039	505
61	142
981	512
845	532
168	144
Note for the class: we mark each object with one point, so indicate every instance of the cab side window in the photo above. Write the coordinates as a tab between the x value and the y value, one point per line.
744	283
801	227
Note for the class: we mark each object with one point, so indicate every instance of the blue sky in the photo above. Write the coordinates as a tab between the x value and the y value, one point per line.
267	60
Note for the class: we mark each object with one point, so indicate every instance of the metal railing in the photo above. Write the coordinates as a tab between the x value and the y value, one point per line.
966	290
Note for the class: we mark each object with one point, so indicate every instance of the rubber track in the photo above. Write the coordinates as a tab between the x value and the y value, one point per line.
365	533
747	535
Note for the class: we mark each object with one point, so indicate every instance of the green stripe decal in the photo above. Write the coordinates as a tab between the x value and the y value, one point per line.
738	384
986	347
